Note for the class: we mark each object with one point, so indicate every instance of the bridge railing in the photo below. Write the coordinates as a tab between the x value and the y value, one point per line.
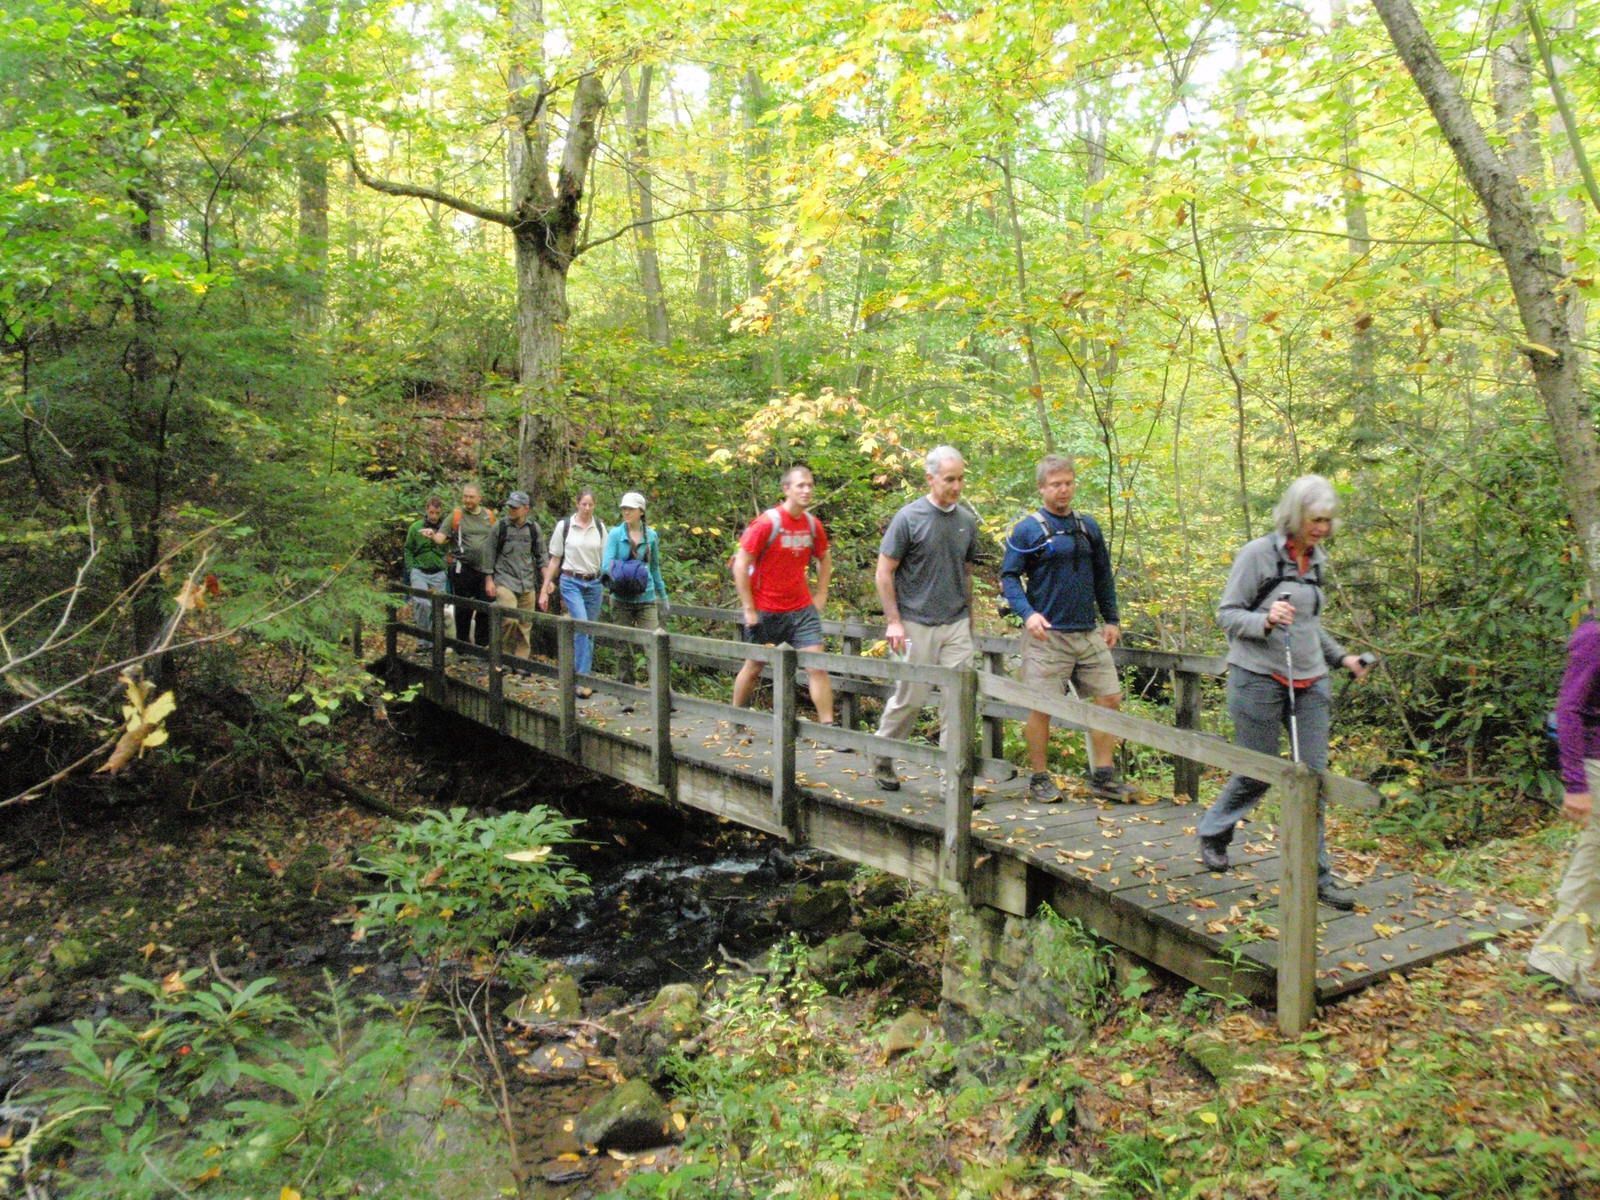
967	696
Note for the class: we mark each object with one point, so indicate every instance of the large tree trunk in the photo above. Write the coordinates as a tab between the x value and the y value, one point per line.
311	172
1534	268
636	112
1363	351
1035	377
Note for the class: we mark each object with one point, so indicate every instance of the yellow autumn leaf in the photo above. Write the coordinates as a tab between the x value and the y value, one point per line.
537	854
288	1193
1210	1118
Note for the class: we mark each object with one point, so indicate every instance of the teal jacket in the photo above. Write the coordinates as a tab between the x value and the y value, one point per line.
617	547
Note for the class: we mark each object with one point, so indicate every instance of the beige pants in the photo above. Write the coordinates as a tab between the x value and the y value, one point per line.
1566	949
515	640
928	646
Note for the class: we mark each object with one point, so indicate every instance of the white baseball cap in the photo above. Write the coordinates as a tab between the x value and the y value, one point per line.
631	500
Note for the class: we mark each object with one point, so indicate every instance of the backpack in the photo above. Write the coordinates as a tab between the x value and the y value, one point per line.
1079	532
776	519
629	577
1288	572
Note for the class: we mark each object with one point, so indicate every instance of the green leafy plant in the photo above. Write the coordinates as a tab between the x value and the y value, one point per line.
226	1087
459	888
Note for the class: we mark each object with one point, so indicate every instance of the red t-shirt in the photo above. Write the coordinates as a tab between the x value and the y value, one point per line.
779	582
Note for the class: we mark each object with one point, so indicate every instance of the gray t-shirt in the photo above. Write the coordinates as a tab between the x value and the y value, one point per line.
933	548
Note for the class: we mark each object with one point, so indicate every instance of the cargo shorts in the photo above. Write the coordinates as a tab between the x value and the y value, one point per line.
1079	655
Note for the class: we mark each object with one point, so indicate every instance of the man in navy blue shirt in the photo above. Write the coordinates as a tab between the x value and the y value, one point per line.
1069	589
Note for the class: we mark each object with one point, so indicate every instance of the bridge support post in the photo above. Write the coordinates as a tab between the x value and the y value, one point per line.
391	635
1185	715
849	702
661	760
497	671
436	666
994	728
960	723
785	728
1297	903
567	683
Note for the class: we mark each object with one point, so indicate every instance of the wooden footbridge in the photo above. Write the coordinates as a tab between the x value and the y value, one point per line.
1129	872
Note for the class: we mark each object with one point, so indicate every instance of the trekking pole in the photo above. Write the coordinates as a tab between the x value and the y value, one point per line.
1288	662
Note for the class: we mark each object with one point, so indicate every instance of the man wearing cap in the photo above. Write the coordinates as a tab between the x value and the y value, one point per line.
770	572
924	579
515	563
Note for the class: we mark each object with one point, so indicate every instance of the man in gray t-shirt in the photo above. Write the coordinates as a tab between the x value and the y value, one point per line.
924	580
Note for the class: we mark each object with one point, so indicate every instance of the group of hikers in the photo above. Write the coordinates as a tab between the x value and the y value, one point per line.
1056	577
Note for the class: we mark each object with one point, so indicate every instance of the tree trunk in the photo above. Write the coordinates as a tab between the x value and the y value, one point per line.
1035	378
636	112
311	174
1534	268
1363	380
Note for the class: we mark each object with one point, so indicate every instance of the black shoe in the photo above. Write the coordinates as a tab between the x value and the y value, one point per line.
1214	853
1042	788
883	774
1336	896
1104	785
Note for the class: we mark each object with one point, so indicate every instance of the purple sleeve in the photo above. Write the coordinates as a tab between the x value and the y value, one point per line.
1578	703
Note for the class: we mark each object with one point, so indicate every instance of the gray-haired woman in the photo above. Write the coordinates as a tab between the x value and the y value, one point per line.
1279	655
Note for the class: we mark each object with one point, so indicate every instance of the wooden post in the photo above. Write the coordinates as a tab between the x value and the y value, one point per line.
497	672
960	723
391	635
994	728
567	683
1185	715
785	728
436	668
849	712
355	638
1297	903
660	654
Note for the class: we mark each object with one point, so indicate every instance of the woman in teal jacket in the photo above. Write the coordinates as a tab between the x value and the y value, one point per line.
634	540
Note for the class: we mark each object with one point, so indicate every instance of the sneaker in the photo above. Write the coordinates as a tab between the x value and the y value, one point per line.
1104	785
1214	852
884	776
1584	993
1042	788
1335	895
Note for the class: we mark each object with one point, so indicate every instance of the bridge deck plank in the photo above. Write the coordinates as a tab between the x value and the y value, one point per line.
1129	871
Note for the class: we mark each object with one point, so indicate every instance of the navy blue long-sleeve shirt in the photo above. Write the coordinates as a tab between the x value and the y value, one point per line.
1068	574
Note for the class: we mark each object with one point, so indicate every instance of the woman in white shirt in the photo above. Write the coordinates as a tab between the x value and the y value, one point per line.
576	548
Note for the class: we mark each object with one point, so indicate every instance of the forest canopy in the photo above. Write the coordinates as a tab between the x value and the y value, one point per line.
271	274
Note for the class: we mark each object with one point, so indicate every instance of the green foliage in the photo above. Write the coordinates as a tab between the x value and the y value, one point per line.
459	888
232	1087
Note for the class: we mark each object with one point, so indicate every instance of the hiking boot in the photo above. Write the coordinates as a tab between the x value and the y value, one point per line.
1214	852
1104	785
884	776
1335	895
1584	993
1042	788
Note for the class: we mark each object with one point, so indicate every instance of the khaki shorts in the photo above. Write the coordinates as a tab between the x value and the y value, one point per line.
1082	657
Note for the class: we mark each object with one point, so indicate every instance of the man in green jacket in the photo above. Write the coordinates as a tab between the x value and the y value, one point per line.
424	561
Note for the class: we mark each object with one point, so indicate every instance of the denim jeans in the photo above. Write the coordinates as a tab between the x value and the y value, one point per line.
582	598
1259	706
433	581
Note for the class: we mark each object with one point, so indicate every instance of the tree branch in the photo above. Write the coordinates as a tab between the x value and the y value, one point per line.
391	187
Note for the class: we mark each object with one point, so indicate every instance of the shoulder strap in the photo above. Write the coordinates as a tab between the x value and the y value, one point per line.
455	520
1286	573
774	516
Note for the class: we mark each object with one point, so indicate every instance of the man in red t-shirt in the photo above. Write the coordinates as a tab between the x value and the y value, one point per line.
770	572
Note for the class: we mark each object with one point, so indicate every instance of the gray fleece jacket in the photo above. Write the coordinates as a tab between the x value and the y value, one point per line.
1251	645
